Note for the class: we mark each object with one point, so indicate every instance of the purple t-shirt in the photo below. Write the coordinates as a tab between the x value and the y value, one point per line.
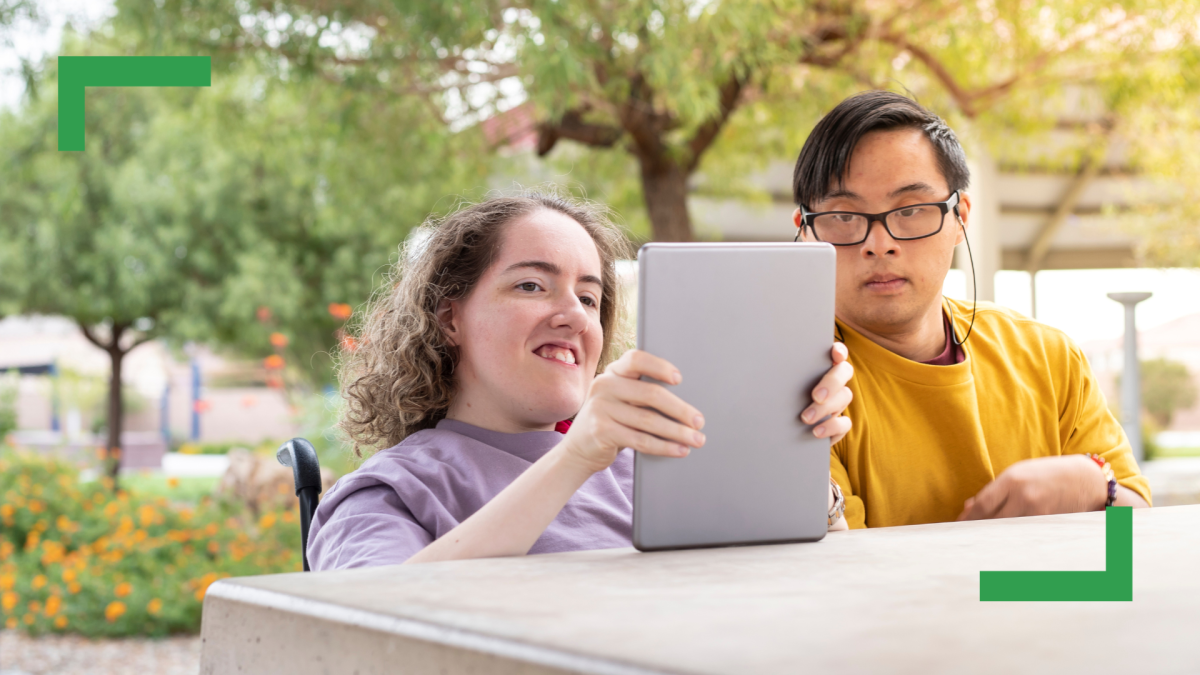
403	498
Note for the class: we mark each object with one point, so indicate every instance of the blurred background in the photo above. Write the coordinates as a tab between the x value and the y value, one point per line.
172	299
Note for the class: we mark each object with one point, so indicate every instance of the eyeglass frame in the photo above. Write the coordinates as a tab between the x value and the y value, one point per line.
951	203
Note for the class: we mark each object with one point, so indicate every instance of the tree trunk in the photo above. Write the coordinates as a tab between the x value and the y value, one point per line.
116	412
664	187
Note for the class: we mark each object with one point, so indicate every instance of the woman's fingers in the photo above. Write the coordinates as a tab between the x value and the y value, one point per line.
648	444
650	395
650	422
636	363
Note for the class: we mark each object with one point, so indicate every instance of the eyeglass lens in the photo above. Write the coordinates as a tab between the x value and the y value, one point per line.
849	228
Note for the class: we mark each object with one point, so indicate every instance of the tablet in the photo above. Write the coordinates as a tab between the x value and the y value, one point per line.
750	327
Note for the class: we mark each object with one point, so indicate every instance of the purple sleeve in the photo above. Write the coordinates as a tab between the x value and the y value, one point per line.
368	528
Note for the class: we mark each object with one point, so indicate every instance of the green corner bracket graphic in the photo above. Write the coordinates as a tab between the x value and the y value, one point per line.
1115	583
75	73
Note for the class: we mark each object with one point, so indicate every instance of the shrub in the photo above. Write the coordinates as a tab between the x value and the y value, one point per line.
75	557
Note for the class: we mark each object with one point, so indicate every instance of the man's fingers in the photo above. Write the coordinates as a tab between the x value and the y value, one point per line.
833	405
647	421
840	353
835	428
835	379
989	500
636	363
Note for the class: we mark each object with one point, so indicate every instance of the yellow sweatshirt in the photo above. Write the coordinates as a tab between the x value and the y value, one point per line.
927	438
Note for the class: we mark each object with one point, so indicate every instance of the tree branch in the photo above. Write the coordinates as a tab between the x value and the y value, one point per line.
572	127
731	91
87	333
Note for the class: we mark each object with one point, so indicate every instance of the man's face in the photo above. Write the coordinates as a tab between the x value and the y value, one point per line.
884	285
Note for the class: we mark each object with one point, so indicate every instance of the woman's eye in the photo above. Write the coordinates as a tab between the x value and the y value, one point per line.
528	286
588	300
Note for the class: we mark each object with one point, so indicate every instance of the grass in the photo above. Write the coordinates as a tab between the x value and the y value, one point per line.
1164	453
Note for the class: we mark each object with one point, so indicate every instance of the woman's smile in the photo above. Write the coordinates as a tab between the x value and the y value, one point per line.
558	353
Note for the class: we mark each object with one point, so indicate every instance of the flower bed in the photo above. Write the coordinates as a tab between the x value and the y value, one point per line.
75	557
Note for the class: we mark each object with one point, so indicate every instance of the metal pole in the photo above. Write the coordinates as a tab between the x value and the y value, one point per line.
195	400
1131	381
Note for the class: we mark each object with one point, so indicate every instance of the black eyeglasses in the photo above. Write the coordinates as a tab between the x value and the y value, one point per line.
848	228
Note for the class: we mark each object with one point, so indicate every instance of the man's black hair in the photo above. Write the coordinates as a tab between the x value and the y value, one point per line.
825	157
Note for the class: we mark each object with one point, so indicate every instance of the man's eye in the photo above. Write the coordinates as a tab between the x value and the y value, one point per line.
909	213
844	217
528	286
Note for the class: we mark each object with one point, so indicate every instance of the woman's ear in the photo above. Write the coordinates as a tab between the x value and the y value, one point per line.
447	318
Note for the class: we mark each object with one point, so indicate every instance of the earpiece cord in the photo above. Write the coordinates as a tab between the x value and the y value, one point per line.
974	294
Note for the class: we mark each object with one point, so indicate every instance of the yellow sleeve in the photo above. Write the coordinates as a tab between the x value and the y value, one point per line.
856	511
1093	428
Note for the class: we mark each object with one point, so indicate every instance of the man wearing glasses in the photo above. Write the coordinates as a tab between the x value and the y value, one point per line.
959	412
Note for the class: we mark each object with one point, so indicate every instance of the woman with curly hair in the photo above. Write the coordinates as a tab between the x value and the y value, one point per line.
495	331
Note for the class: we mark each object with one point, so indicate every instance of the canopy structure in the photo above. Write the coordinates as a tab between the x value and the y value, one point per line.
1034	208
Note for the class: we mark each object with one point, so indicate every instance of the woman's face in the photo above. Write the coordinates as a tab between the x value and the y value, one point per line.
528	334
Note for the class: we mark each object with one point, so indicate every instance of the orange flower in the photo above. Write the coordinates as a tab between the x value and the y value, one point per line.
274	362
6	510
28	618
267	521
123	589
68	575
36	506
114	611
6	582
279	340
172	482
53	604
6	549
11	623
263	314
9	600
39	581
214	547
35	606
111	509
73	587
154	606
60	621
340	310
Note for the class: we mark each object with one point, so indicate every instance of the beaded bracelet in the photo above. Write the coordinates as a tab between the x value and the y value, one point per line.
1108	474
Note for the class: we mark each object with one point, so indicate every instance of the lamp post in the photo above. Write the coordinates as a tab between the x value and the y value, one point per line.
1131	381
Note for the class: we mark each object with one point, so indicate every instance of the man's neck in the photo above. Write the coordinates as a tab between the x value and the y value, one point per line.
922	339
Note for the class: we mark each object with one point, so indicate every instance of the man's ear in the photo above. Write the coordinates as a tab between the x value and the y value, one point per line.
798	219
447	318
964	217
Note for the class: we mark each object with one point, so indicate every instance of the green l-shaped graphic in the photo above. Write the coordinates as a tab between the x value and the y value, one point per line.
77	72
1114	583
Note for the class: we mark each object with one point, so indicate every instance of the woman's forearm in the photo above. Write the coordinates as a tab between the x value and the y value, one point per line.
513	520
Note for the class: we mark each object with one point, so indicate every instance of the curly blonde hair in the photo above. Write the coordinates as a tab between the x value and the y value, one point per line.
397	378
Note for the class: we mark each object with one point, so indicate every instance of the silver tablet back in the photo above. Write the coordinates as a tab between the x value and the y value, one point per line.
750	327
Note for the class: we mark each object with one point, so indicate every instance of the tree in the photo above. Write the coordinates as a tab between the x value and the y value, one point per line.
1167	387
193	210
664	80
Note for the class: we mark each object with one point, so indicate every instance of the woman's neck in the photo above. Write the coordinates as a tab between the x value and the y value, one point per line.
477	411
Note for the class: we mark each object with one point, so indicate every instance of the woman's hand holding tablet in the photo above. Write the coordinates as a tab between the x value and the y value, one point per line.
620	413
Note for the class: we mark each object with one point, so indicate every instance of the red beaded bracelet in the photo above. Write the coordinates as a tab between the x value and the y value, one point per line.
1108	473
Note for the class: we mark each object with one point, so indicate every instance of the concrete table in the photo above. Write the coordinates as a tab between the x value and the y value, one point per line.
902	600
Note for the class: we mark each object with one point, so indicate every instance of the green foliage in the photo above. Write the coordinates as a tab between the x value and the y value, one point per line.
192	209
1167	387
9	383
653	71
74	558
